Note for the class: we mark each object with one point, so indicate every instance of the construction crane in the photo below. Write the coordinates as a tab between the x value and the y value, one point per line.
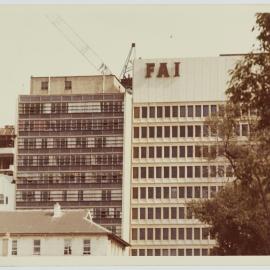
127	70
79	44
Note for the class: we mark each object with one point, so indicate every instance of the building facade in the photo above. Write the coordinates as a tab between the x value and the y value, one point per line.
70	147
7	193
7	138
171	144
56	233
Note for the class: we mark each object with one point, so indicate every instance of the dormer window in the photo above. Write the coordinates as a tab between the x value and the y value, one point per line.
44	85
68	85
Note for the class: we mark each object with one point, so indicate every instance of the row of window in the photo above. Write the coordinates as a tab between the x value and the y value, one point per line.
170	234
70	107
183	131
161	213
70	142
70	195
71	125
174	172
170	252
182	151
70	160
70	178
37	248
181	192
177	111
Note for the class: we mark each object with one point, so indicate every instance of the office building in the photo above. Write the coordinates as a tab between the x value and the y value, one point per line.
70	147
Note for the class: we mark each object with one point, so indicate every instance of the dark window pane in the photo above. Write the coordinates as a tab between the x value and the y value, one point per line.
144	132
205	110
142	213
158	172
136	112
151	132
165	192
165	212
174	172
136	132
159	152
182	151
135	172
151	112
159	132
189	151
135	152
135	193
182	131
143	193
150	172
166	172
144	112
134	234
182	171
158	192
143	172
150	193
134	213
189	171
175	111
198	152
159	112
143	152
197	171
166	151
151	152
182	192
174	151
157	234
174	131
173	212
167	111
189	192
190	131
205	192
213	110
150	213
190	111
198	131
167	132
198	111
182	111
197	191
158	213
189	233
181	234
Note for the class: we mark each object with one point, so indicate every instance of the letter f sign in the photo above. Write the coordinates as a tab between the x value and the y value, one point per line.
149	69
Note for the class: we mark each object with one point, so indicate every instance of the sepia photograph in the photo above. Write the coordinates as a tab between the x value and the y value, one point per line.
134	134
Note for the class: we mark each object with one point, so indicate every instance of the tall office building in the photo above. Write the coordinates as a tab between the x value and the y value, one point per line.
171	143
70	147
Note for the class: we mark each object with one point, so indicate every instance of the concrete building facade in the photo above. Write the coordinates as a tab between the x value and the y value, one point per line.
171	143
70	147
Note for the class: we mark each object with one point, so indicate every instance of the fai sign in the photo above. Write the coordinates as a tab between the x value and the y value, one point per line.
161	70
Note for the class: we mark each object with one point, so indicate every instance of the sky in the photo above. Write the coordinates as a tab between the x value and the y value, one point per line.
31	46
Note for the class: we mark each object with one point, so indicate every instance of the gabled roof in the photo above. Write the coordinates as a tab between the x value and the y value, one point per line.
31	222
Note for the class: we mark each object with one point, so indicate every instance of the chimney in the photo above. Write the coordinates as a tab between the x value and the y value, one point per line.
57	212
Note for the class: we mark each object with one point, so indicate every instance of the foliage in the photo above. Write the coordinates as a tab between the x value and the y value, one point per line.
240	214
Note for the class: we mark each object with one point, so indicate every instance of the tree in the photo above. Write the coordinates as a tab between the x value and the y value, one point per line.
240	214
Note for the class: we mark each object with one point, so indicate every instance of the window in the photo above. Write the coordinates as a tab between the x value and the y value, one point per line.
144	112
135	193
189	171
181	192
157	233
158	213
175	111
205	192
173	192
143	172
134	251
134	213
244	130
181	234
44	85
205	130
151	132
189	151
198	112
197	233
150	213
198	152
143	152
182	111
150	172
190	131
136	112
197	192
158	192
173	250
158	172
167	111
181	211
182	151
173	213
134	234
142	234
174	151
166	151
205	110
197	252
159	152
167	132
68	85
159	132
174	131
165	192
142	213
213	191
165	212
86	247
189	252
197	171
181	252
144	132
189	192
14	247
190	111
204	252
182	171
213	110
36	250
205	233
150	234
189	233
143	193
136	132
165	234
135	152
150	193
159	112
174	172
151	112
182	131
198	131
205	171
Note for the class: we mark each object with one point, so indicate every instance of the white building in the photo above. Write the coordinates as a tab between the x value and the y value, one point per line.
171	100
7	193
57	233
